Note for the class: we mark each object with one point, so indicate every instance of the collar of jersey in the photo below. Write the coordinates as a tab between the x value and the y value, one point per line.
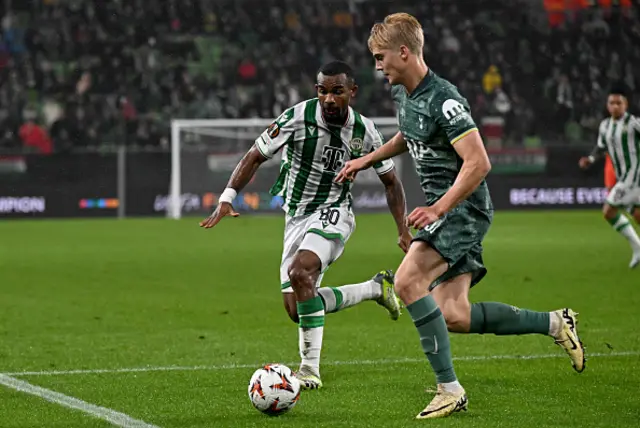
623	117
424	83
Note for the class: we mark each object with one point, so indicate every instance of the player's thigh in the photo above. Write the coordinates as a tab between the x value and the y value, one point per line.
294	232
420	267
327	232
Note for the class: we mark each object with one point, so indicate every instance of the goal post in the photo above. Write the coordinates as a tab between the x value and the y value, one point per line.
197	144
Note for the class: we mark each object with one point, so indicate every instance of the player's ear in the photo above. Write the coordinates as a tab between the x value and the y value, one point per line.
354	90
404	52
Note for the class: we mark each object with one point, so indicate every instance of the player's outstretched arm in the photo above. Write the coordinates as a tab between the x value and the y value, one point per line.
241	176
397	206
394	147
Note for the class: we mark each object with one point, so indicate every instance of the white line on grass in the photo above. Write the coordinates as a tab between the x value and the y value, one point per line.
328	363
115	418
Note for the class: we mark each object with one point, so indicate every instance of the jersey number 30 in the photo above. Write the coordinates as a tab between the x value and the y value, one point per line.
331	216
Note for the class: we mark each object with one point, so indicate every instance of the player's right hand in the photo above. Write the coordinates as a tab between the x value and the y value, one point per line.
404	240
351	168
585	162
222	210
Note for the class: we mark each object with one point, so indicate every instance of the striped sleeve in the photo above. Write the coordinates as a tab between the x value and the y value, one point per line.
278	133
376	140
602	143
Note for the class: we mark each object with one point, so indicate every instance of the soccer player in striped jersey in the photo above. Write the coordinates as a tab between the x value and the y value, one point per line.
317	137
619	136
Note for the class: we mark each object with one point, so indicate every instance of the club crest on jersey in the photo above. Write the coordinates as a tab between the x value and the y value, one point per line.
273	130
356	145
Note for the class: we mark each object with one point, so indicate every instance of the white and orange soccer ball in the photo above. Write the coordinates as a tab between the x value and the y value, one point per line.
273	389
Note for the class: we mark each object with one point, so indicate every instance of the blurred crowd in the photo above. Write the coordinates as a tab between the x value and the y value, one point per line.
78	74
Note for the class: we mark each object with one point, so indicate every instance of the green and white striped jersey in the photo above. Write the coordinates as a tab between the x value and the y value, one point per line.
621	138
315	152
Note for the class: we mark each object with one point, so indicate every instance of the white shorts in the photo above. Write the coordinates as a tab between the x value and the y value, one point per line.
624	195
324	233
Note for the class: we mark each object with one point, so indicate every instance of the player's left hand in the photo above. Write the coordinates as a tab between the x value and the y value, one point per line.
404	240
421	217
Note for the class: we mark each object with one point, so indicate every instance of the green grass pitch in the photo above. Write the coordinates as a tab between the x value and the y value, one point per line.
157	294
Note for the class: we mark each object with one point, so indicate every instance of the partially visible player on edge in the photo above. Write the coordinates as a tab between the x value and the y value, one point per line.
619	136
318	136
445	258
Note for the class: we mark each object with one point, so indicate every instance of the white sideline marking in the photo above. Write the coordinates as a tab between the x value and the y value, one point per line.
328	363
115	418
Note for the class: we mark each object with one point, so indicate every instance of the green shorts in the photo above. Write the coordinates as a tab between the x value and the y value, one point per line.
457	237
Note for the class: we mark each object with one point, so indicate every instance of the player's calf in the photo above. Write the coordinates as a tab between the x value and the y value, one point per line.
303	274
457	314
289	300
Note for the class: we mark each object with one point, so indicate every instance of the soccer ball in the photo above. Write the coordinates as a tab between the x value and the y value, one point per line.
273	389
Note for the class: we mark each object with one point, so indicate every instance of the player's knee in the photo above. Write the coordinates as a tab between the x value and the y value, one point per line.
304	269
457	314
303	274
406	287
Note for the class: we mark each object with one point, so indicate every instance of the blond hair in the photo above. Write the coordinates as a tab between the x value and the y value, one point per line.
396	30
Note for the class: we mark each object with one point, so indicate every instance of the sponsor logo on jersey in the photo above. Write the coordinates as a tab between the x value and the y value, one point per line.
454	111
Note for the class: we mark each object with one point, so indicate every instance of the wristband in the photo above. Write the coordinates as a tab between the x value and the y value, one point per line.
228	195
592	158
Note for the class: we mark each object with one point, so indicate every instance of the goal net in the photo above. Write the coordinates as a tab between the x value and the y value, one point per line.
204	153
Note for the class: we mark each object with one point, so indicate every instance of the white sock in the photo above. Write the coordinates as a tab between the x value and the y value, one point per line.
555	324
338	298
452	386
310	344
625	228
310	332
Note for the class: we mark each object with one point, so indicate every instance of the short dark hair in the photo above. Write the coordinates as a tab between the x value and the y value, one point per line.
618	89
335	68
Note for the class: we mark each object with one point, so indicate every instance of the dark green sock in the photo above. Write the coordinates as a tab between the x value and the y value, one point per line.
434	337
502	319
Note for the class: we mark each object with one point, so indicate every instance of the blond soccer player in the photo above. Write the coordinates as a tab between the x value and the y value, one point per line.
445	258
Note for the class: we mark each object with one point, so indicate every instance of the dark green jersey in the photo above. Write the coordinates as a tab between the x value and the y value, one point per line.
432	119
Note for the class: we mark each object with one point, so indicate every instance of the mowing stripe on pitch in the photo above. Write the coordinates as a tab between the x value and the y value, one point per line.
111	416
328	363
